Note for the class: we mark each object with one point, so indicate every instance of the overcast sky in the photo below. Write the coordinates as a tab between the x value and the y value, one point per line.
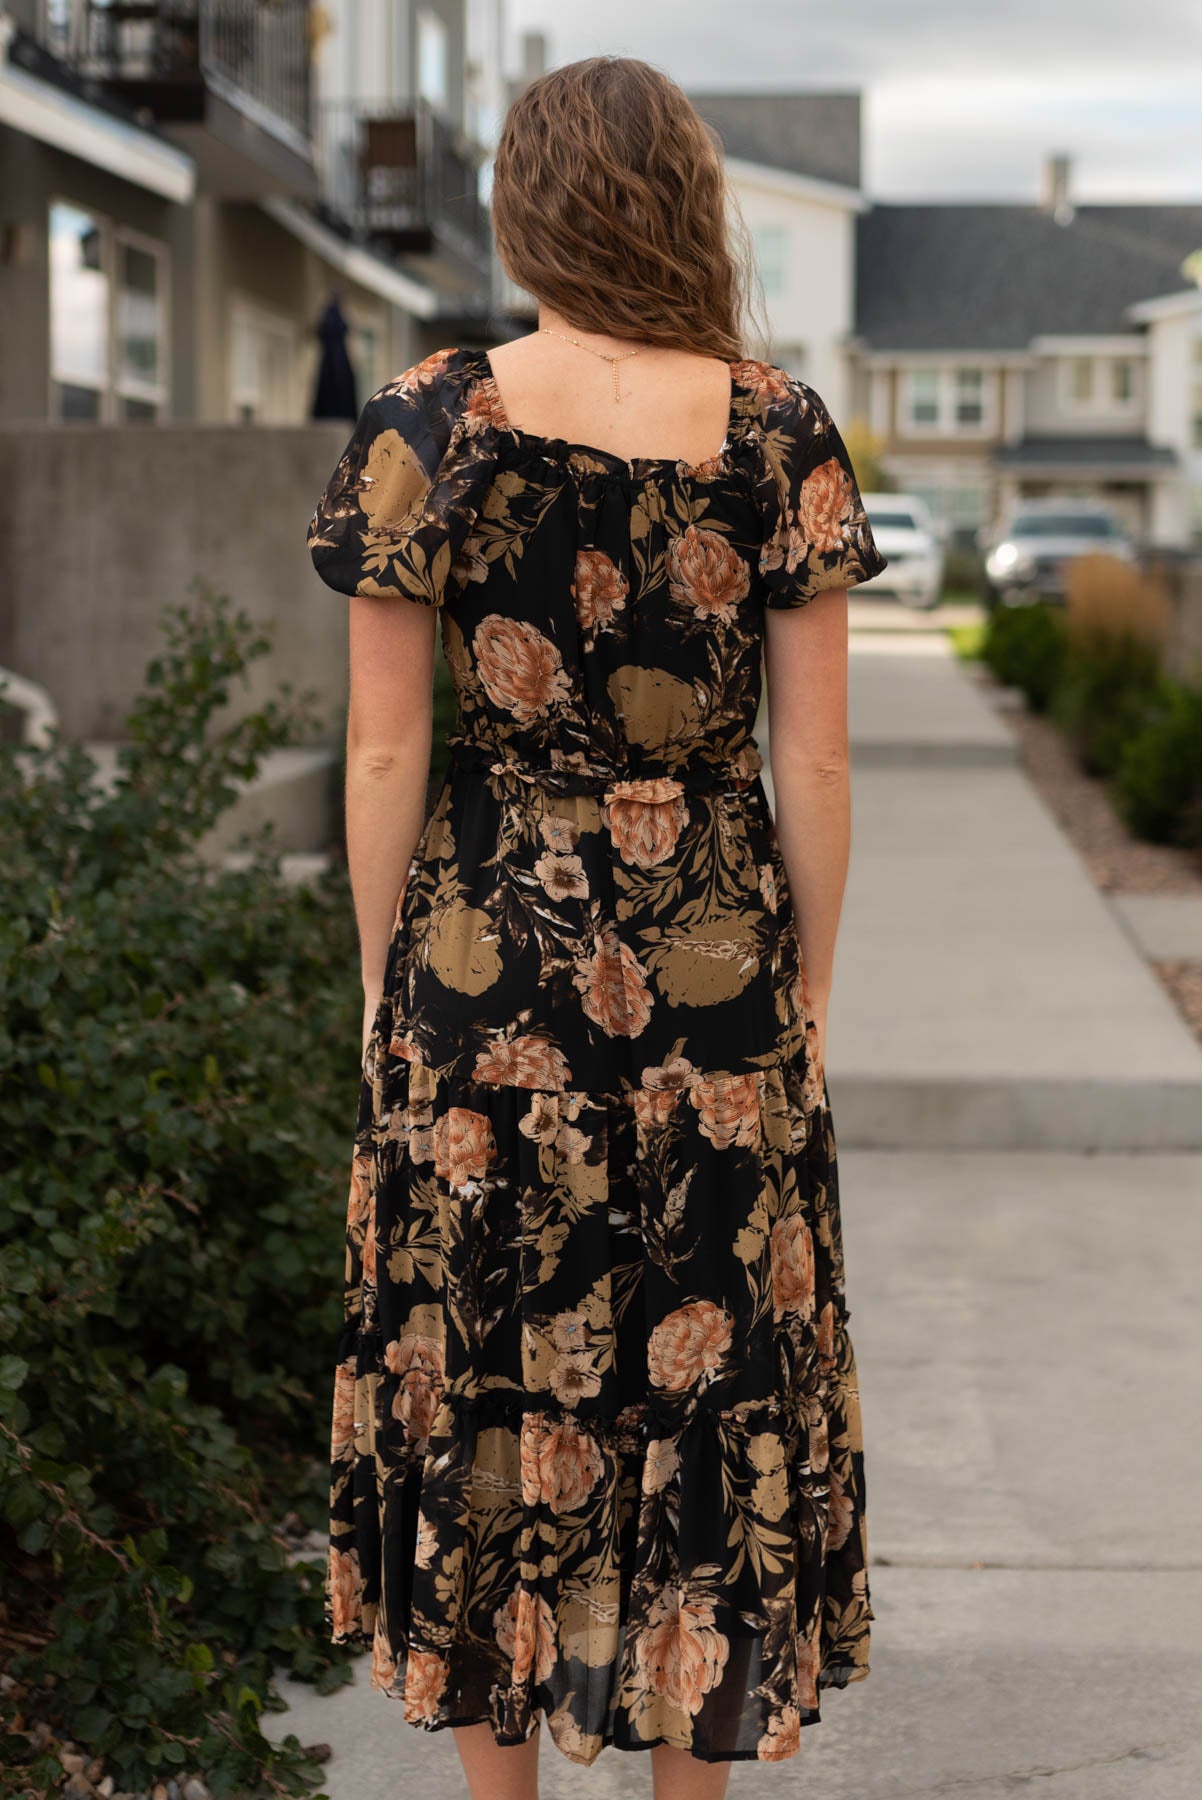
961	98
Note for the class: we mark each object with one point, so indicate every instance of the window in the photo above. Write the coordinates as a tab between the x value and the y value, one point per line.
108	319
141	347
947	400
970	397
1080	382
771	254
264	366
431	58
1097	384
79	312
924	398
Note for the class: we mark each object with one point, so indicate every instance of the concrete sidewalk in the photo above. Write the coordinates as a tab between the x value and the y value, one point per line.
986	996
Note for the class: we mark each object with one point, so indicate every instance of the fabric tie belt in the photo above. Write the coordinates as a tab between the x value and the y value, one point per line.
643	782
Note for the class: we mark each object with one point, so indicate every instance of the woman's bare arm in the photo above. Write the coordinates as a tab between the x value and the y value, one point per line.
389	725
806	680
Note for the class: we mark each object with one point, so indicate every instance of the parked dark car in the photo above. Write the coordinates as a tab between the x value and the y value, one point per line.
1026	559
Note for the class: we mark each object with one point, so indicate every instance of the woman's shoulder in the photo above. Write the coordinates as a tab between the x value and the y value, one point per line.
781	398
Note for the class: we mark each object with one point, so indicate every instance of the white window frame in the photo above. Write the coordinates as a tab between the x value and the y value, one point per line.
945	423
1101	402
113	390
156	393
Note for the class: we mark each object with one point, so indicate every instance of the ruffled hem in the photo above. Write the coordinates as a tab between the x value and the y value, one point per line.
637	1513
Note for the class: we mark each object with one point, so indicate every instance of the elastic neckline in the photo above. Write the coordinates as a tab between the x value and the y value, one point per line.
574	451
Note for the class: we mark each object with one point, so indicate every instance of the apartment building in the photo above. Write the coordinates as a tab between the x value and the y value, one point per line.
186	184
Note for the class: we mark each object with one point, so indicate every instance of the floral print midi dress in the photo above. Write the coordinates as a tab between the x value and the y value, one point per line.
596	1449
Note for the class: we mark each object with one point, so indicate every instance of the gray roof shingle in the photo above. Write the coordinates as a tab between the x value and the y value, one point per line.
816	134
991	276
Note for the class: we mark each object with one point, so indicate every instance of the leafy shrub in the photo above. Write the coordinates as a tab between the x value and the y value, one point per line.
178	1066
1025	647
1158	787
1105	690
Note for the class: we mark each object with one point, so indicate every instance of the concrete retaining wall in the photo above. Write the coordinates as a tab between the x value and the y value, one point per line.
105	526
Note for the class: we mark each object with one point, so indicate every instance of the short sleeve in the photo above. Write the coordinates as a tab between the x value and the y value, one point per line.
404	494
816	530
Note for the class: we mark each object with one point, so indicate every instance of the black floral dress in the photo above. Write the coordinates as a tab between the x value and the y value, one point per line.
596	1448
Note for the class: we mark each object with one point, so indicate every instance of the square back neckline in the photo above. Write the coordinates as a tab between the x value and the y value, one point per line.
548	441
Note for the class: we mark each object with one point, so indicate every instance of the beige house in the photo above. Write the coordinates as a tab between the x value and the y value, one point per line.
1005	352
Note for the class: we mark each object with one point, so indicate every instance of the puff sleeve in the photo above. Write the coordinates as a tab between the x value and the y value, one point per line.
816	533
404	495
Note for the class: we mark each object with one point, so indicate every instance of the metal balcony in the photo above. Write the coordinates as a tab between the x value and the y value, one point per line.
402	179
219	69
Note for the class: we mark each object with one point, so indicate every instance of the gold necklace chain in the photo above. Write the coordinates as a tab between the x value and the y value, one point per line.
611	356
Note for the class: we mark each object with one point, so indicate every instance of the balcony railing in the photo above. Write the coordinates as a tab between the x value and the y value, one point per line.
161	53
401	178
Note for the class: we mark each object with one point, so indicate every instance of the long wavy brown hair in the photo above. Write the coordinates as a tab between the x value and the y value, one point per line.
610	203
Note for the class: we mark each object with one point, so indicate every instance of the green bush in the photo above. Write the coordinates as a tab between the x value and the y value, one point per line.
1158	787
1025	647
1104	693
178	1071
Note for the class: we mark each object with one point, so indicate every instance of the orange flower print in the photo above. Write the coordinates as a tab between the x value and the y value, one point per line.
825	506
688	1346
770	382
826	1337
768	886
818	1431
562	876
707	574
656	1100
464	1148
425	1681
600	589
560	1464
419	1363
525	1628
427	1543
660	1464
840	1513
360	1194
342	1434
529	1062
792	1254
645	819
560	835
383	1662
782	1738
809	1664
614	985
680	1653
369	1244
569	1331
344	1585
730	1109
520	669
574	1378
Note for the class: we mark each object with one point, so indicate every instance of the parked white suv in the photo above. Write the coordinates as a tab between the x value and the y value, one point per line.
907	535
1027	556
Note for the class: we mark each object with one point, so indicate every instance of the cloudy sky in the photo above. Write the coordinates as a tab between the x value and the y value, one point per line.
960	98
